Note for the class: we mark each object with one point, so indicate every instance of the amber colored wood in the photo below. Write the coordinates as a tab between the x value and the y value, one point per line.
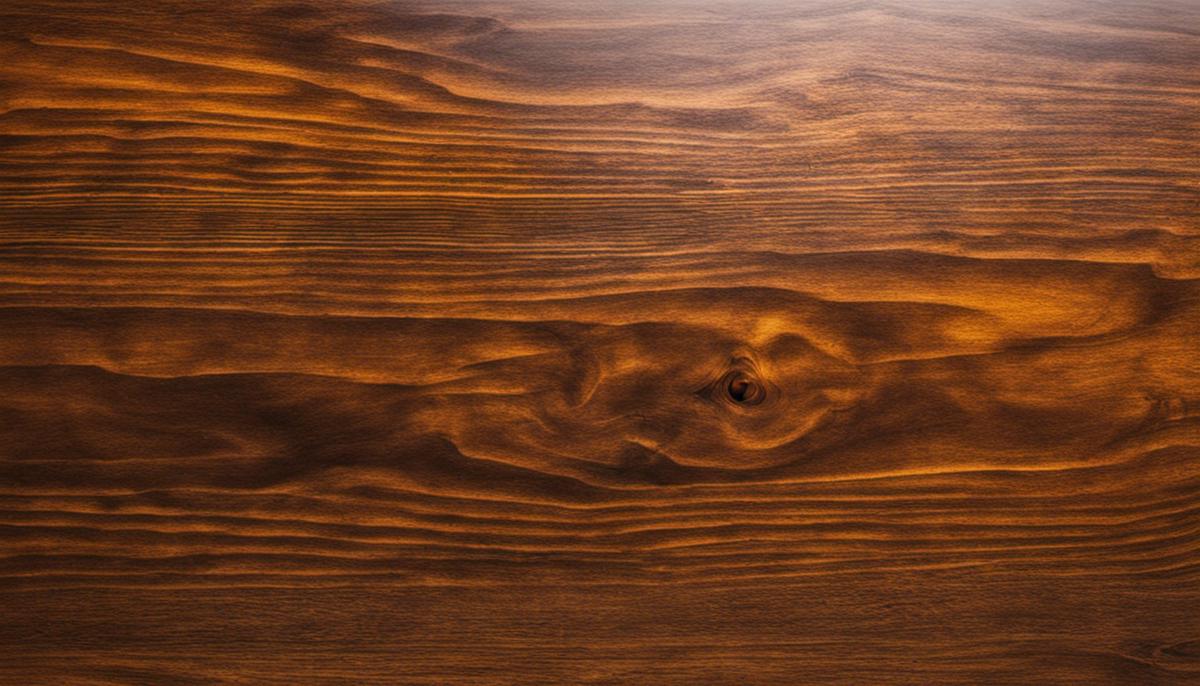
638	342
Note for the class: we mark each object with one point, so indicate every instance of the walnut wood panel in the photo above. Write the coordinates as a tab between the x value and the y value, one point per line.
563	342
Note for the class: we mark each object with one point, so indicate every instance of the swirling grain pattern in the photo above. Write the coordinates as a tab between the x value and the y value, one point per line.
557	342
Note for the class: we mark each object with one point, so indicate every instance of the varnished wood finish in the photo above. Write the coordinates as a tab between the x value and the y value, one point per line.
351	342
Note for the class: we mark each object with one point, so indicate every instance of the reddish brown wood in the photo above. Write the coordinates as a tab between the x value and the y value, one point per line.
560	342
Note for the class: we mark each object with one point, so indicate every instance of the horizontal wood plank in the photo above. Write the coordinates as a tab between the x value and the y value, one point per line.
542	341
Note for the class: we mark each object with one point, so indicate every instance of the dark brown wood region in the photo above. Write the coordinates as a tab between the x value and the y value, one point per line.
616	342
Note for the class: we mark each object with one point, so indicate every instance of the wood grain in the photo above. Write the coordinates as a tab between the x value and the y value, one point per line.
562	342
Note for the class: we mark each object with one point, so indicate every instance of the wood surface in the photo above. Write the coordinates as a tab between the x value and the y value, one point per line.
617	342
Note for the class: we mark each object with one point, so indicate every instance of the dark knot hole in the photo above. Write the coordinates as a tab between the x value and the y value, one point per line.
745	390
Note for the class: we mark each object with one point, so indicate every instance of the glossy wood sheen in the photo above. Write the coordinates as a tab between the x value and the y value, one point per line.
393	342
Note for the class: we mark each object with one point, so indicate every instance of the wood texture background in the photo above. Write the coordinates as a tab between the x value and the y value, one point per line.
389	342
